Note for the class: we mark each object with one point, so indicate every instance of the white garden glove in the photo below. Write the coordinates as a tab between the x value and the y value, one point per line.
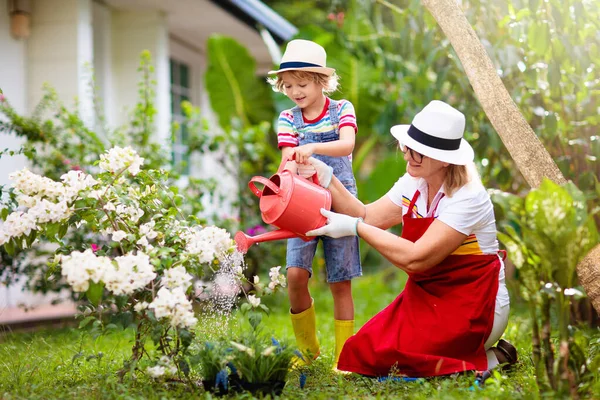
324	171
338	225
306	170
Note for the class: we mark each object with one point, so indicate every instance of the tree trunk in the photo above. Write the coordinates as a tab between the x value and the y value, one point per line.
532	159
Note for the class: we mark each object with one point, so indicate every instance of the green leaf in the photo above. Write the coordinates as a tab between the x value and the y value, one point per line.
52	230
86	321
382	178
255	319
264	308
9	246
550	123
62	230
245	307
232	85
94	293
538	38
4	213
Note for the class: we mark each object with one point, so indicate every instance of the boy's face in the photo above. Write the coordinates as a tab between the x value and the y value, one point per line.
303	91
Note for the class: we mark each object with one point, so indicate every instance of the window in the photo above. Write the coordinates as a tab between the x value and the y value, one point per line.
180	91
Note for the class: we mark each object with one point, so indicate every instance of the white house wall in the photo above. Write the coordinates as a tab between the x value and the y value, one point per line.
132	33
13	81
60	52
103	75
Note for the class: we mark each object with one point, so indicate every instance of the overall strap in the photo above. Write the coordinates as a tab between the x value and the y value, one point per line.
333	115
437	204
298	120
412	203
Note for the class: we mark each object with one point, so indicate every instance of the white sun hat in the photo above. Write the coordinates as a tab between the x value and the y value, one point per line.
304	55
437	132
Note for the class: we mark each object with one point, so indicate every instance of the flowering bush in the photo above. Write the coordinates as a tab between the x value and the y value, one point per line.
150	256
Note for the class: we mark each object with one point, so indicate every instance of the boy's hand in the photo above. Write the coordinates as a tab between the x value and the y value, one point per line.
304	152
324	171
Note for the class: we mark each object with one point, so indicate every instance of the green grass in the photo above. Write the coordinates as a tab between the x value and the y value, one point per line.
64	364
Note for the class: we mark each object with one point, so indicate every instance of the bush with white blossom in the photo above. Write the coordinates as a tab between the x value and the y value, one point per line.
143	256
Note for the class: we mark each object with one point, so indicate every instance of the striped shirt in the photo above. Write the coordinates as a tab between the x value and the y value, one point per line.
287	135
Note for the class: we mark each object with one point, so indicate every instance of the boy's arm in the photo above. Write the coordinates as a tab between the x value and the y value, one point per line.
337	148
288	152
286	138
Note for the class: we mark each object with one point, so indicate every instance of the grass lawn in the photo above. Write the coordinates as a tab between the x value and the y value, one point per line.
64	364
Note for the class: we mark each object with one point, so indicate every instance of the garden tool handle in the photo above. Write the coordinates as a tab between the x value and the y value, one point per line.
293	158
265	182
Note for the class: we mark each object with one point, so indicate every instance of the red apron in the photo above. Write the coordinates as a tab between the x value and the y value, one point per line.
438	325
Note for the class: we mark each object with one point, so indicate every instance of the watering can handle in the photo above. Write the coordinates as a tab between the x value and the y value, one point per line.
265	182
292	158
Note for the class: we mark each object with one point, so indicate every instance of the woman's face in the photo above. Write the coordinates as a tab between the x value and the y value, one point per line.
420	166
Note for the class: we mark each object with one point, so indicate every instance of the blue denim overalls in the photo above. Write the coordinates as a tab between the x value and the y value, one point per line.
342	258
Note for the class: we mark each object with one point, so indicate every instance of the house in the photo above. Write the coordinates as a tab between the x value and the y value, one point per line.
56	41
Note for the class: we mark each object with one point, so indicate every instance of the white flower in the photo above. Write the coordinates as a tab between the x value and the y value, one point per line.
130	273
177	277
18	224
119	158
157	371
76	181
243	348
269	351
80	268
573	292
110	206
174	305
254	301
276	278
148	231
209	243
256	279
141	306
118	235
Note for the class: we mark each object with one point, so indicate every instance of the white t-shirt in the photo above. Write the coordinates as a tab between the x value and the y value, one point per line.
469	211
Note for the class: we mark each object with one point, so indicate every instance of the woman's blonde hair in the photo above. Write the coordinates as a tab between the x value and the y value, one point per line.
458	176
329	83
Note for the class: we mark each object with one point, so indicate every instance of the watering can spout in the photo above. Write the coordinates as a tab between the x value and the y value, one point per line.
244	242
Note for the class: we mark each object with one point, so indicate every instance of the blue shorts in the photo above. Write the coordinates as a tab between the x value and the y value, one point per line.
342	257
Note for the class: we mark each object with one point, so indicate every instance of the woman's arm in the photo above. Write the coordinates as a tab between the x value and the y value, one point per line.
337	148
383	213
438	242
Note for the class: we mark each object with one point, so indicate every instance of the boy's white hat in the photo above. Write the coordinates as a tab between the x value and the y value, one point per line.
304	55
437	132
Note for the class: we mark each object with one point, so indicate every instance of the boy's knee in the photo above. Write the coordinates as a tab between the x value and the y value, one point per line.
341	288
297	278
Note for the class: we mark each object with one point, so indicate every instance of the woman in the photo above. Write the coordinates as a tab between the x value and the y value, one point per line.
455	304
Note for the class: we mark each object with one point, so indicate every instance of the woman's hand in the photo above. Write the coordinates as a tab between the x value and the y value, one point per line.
306	170
302	153
338	225
324	171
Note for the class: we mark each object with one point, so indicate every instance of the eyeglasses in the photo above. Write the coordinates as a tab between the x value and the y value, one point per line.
415	155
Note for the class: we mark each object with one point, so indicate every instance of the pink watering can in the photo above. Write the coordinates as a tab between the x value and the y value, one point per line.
289	202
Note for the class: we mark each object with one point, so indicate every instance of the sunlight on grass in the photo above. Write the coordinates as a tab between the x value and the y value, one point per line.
70	364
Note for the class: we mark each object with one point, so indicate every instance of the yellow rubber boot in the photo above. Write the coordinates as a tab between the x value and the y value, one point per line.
343	330
305	330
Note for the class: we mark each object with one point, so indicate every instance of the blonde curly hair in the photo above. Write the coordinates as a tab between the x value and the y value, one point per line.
329	83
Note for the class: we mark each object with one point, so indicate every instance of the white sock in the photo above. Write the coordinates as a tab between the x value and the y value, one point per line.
491	359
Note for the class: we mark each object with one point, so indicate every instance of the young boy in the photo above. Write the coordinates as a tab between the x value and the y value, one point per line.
325	129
